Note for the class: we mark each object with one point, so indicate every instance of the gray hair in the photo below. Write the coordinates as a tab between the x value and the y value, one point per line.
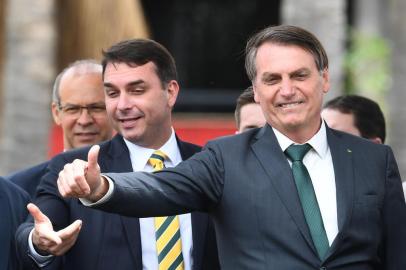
284	35
79	67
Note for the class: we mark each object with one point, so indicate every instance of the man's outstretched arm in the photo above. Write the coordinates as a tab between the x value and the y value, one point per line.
194	185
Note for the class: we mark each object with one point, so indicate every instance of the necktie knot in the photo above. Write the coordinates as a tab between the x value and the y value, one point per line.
296	152
157	160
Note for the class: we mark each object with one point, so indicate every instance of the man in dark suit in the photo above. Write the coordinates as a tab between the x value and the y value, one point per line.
77	87
291	195
140	92
13	212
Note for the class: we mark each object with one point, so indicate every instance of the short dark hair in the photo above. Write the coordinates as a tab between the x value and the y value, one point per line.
284	35
368	116
138	52
246	97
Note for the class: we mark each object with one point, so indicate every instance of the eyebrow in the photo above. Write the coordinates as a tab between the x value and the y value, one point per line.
300	70
89	104
133	83
267	75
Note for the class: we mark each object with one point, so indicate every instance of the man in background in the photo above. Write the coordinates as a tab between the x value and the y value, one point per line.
248	113
78	107
359	116
356	115
141	88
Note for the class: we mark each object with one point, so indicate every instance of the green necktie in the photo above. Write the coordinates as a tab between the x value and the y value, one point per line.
307	197
167	230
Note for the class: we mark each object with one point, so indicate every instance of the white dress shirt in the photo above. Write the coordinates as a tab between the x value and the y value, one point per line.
404	188
139	159
319	163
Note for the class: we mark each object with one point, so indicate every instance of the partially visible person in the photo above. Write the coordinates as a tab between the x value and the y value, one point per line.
13	212
359	116
356	115
248	113
78	107
141	88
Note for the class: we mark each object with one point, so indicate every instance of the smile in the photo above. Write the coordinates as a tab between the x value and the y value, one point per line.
128	119
290	104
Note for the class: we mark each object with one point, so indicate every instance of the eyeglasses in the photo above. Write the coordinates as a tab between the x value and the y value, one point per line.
73	110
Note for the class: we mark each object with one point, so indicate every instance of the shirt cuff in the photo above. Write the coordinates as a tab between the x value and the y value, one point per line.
40	260
105	198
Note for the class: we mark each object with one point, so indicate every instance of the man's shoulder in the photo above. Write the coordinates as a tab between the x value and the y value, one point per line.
356	141
357	145
81	153
238	140
31	172
13	193
189	146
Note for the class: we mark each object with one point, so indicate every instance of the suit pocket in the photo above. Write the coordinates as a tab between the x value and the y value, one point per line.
367	218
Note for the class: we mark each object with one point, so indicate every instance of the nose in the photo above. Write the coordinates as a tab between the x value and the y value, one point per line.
85	118
287	88
123	102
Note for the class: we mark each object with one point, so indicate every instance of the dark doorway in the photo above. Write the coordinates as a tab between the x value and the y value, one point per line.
207	39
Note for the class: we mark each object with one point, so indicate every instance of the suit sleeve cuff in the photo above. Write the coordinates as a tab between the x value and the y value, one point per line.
40	260
105	198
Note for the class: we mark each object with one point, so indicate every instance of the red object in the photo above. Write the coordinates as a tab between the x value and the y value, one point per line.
190	128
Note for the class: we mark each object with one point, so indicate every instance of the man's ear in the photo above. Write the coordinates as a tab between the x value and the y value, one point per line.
254	89
376	140
56	113
326	80
173	91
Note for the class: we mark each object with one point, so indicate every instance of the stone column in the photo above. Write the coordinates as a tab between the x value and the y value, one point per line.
396	30
327	20
27	83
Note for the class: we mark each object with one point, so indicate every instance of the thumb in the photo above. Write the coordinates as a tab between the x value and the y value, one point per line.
70	231
92	157
38	216
41	220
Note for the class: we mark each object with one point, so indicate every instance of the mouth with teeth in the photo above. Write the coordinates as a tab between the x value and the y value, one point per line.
289	104
88	136
128	122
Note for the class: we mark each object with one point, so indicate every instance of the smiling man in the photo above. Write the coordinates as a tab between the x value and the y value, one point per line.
78	107
141	88
294	194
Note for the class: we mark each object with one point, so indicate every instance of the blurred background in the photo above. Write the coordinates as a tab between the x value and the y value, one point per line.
365	41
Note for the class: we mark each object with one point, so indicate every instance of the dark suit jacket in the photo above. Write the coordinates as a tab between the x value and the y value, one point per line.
28	179
108	241
246	184
13	211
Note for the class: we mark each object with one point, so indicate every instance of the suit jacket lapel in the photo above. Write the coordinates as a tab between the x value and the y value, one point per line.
118	160
274	162
341	154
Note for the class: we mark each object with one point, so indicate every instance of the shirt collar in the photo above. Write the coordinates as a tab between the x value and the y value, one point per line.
140	155
318	141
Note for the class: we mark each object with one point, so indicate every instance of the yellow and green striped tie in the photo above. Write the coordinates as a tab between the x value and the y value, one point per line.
167	231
